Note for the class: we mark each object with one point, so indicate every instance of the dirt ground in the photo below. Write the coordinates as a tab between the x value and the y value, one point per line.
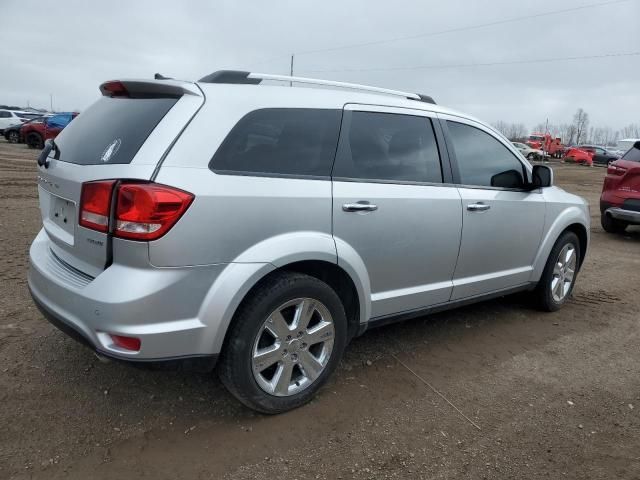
536	395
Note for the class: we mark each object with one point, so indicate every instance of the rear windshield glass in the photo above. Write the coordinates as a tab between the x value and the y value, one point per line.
112	130
632	155
28	116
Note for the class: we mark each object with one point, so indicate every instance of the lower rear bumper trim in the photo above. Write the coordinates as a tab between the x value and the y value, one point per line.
201	363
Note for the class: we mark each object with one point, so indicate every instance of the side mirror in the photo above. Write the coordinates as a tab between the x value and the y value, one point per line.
542	176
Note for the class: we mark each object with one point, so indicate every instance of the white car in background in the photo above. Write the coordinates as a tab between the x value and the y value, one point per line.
528	152
13	117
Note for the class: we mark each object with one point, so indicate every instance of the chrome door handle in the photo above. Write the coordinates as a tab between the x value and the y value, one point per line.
359	207
478	207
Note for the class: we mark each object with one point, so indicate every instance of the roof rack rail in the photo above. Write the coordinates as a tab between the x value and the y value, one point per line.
242	77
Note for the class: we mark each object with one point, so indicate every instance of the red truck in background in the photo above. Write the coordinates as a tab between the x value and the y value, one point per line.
548	144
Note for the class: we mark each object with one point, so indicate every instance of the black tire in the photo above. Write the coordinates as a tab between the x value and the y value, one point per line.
611	225
13	137
235	365
543	295
531	156
34	140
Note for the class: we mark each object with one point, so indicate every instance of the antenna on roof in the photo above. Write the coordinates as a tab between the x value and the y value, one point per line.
159	76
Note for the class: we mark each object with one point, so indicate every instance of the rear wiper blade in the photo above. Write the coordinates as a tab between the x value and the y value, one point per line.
43	158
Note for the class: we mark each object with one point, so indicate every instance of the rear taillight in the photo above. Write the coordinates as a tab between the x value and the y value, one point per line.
616	170
95	205
147	211
142	211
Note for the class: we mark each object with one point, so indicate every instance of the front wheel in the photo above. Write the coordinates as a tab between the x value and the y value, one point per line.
34	140
285	341
560	272
13	137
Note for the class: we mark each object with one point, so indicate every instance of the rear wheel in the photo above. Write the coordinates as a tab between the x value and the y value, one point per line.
285	341
560	272
34	140
611	225
13	137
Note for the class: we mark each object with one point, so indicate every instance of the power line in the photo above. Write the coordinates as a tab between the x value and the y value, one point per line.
486	64
461	29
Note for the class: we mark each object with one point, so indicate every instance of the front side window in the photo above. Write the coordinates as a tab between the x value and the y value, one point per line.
387	146
483	160
281	141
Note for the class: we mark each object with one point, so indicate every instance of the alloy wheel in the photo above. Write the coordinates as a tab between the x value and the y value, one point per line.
564	272
293	347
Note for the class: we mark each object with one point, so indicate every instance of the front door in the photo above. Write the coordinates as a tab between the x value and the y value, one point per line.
502	221
391	208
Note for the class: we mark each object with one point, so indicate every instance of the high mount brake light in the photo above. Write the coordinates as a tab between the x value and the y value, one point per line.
142	211
114	88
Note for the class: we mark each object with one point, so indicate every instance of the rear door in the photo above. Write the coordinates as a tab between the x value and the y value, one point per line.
502	221
392	206
117	137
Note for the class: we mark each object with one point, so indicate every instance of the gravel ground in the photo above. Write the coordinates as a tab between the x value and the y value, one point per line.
494	390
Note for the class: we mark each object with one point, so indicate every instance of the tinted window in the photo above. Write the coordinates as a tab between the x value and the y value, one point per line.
28	115
112	130
4	114
632	155
289	141
483	160
386	146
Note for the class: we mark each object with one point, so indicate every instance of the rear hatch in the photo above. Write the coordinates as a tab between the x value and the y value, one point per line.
124	135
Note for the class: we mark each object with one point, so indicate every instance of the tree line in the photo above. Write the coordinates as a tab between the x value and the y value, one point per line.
579	131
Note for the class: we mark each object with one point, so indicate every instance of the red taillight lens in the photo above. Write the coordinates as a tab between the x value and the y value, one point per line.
114	89
128	343
146	211
95	205
616	170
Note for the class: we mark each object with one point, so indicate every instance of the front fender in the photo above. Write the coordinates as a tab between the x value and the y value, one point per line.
569	215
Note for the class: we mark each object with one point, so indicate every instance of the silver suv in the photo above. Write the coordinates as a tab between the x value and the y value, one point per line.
265	226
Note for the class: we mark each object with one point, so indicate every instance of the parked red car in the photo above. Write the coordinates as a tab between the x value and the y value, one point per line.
36	133
620	199
579	155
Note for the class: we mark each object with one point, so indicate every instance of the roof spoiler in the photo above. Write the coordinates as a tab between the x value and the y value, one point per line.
249	78
148	88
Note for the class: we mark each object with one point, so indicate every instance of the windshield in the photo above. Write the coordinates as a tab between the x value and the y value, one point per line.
28	116
536	138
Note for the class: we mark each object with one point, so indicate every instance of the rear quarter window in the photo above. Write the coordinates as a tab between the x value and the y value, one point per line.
112	130
632	155
281	141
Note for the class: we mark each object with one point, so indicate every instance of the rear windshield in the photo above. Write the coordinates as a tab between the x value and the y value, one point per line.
632	155
112	130
28	116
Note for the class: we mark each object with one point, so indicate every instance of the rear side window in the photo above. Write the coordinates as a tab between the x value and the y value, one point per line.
482	160
281	141
632	155
112	130
388	147
5	114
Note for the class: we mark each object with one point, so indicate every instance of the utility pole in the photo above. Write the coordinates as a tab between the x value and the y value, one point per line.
51	102
291	70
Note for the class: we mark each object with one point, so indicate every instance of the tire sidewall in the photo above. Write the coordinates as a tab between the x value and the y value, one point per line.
239	348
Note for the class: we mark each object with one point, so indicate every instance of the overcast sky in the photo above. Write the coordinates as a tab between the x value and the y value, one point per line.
67	48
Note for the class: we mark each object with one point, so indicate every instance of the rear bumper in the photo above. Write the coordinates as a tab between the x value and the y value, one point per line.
160	306
621	214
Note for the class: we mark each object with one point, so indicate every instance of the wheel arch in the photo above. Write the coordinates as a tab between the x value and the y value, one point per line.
571	219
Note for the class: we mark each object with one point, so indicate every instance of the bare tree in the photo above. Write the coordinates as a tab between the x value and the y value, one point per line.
513	131
631	131
581	124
